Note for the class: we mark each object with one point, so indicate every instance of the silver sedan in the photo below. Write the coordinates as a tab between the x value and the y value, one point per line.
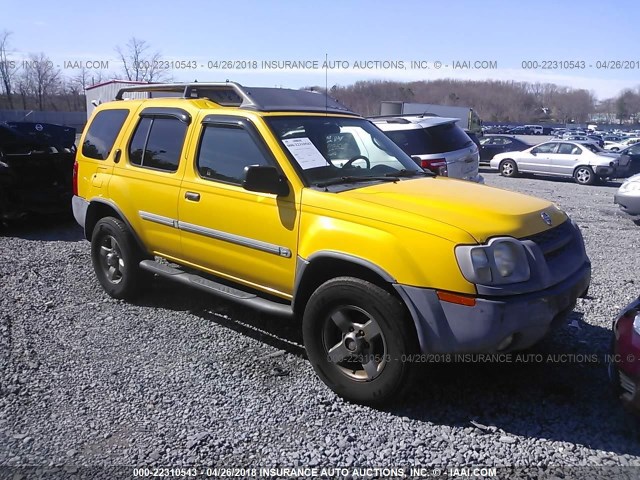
628	196
585	162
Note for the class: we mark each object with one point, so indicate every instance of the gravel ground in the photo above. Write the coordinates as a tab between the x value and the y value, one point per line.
180	378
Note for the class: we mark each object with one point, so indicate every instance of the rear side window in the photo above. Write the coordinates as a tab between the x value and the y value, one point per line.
157	143
102	133
424	141
225	151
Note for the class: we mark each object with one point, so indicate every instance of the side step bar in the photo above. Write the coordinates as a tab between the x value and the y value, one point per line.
247	299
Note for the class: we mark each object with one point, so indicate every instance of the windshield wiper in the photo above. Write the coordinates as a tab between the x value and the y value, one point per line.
409	173
351	179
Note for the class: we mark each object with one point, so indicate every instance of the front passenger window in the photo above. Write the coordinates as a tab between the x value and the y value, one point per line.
545	148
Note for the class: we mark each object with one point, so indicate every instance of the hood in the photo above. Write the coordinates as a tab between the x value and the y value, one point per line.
479	210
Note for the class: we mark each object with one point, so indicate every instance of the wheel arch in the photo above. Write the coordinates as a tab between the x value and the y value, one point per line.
99	209
502	160
582	165
322	266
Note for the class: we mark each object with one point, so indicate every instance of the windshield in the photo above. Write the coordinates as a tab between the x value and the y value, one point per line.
328	149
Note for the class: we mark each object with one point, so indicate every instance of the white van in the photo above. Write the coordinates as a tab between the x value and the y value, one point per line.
535	129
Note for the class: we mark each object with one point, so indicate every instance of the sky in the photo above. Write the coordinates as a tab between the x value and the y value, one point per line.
533	40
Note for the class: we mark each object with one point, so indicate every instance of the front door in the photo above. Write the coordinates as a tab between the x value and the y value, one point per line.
244	236
539	160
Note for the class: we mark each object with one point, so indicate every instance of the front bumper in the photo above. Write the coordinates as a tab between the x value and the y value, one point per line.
629	391
445	327
629	201
605	171
624	366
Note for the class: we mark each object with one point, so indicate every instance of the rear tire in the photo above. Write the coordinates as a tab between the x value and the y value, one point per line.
359	339
508	168
116	258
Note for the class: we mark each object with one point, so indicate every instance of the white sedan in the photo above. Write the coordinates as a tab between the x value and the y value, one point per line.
617	146
585	162
628	196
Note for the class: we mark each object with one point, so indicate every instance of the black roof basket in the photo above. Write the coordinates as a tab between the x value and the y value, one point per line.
232	94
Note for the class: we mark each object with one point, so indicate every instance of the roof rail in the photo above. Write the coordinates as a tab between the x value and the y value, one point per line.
232	94
401	115
190	90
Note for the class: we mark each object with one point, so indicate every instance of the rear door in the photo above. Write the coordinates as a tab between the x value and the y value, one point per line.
146	181
566	158
492	146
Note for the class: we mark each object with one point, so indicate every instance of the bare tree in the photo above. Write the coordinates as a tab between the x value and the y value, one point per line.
8	67
139	63
41	77
85	78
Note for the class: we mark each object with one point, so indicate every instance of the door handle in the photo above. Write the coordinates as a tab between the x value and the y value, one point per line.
193	196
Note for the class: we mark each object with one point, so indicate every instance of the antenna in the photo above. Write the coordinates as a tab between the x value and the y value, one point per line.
326	84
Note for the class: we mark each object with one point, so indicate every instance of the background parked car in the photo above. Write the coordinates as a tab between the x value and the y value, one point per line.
628	196
535	129
494	144
597	139
628	161
519	131
35	171
436	143
621	145
585	162
474	138
624	369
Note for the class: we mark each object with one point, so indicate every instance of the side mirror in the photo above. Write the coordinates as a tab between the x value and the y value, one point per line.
265	179
534	152
417	160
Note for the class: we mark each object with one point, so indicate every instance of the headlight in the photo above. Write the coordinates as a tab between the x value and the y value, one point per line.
636	323
630	187
505	257
481	264
502	260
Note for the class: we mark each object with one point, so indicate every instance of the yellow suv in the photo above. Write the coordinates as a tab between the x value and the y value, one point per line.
286	201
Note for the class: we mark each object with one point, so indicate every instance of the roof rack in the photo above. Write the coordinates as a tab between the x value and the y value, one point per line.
232	94
401	115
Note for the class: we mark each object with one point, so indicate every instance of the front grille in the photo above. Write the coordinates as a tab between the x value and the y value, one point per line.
554	241
627	384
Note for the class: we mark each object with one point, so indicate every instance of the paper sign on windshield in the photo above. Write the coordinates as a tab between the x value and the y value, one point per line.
305	153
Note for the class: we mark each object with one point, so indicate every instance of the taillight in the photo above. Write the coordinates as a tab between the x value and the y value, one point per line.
75	177
436	165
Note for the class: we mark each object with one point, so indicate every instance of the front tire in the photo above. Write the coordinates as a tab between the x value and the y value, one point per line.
584	176
508	168
116	257
359	340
